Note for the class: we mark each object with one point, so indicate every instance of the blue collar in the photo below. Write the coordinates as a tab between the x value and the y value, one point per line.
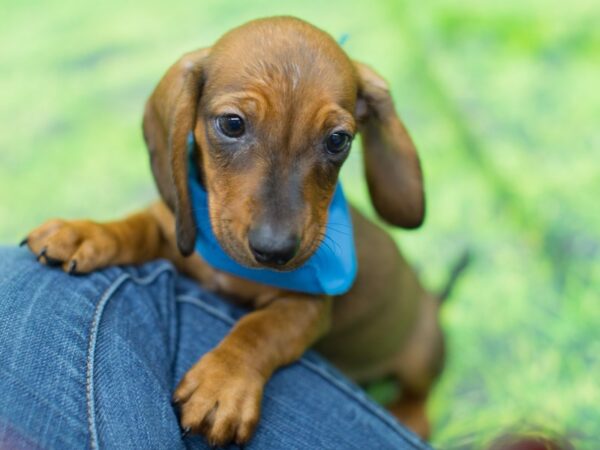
331	270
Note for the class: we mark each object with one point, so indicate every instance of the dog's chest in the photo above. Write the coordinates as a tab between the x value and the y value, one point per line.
239	289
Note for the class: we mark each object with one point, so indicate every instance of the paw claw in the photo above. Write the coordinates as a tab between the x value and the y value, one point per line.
72	267
185	432
41	253
23	242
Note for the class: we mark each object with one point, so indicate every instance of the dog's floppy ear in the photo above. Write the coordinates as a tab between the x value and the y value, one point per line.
391	162
169	117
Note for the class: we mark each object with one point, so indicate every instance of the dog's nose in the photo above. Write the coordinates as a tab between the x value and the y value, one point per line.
270	246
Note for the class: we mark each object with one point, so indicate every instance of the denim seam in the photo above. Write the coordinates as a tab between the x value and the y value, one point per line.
106	296
316	369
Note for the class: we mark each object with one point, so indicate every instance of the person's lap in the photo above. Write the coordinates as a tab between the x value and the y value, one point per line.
93	360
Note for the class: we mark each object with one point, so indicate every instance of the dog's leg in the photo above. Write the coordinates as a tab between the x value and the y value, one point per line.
82	246
220	396
411	411
417	368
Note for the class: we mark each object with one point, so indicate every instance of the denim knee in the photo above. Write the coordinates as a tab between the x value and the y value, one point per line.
92	361
59	369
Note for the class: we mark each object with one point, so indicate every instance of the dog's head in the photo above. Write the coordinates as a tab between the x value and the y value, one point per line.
274	106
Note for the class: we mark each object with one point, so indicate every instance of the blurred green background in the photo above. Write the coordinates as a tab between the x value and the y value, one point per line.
503	101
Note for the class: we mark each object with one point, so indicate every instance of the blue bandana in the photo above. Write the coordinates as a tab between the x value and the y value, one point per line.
331	270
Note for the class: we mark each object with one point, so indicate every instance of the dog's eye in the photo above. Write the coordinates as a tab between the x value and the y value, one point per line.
338	142
231	125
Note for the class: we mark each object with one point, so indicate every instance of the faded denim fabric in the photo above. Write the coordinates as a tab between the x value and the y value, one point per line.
91	361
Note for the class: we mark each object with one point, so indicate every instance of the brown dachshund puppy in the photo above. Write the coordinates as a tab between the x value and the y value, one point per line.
263	103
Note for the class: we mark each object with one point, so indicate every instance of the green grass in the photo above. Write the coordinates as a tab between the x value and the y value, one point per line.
502	100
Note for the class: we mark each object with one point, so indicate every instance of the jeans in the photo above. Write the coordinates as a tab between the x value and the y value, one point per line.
92	361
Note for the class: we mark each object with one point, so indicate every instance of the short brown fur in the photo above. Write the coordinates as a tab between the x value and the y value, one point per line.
293	84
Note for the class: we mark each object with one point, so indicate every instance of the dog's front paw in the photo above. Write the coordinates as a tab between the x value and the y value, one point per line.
78	246
220	398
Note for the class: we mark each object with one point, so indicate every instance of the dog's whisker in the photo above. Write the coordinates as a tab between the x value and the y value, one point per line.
340	224
347	233
327	243
334	243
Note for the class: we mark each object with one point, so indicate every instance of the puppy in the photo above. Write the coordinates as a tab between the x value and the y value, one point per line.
269	113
